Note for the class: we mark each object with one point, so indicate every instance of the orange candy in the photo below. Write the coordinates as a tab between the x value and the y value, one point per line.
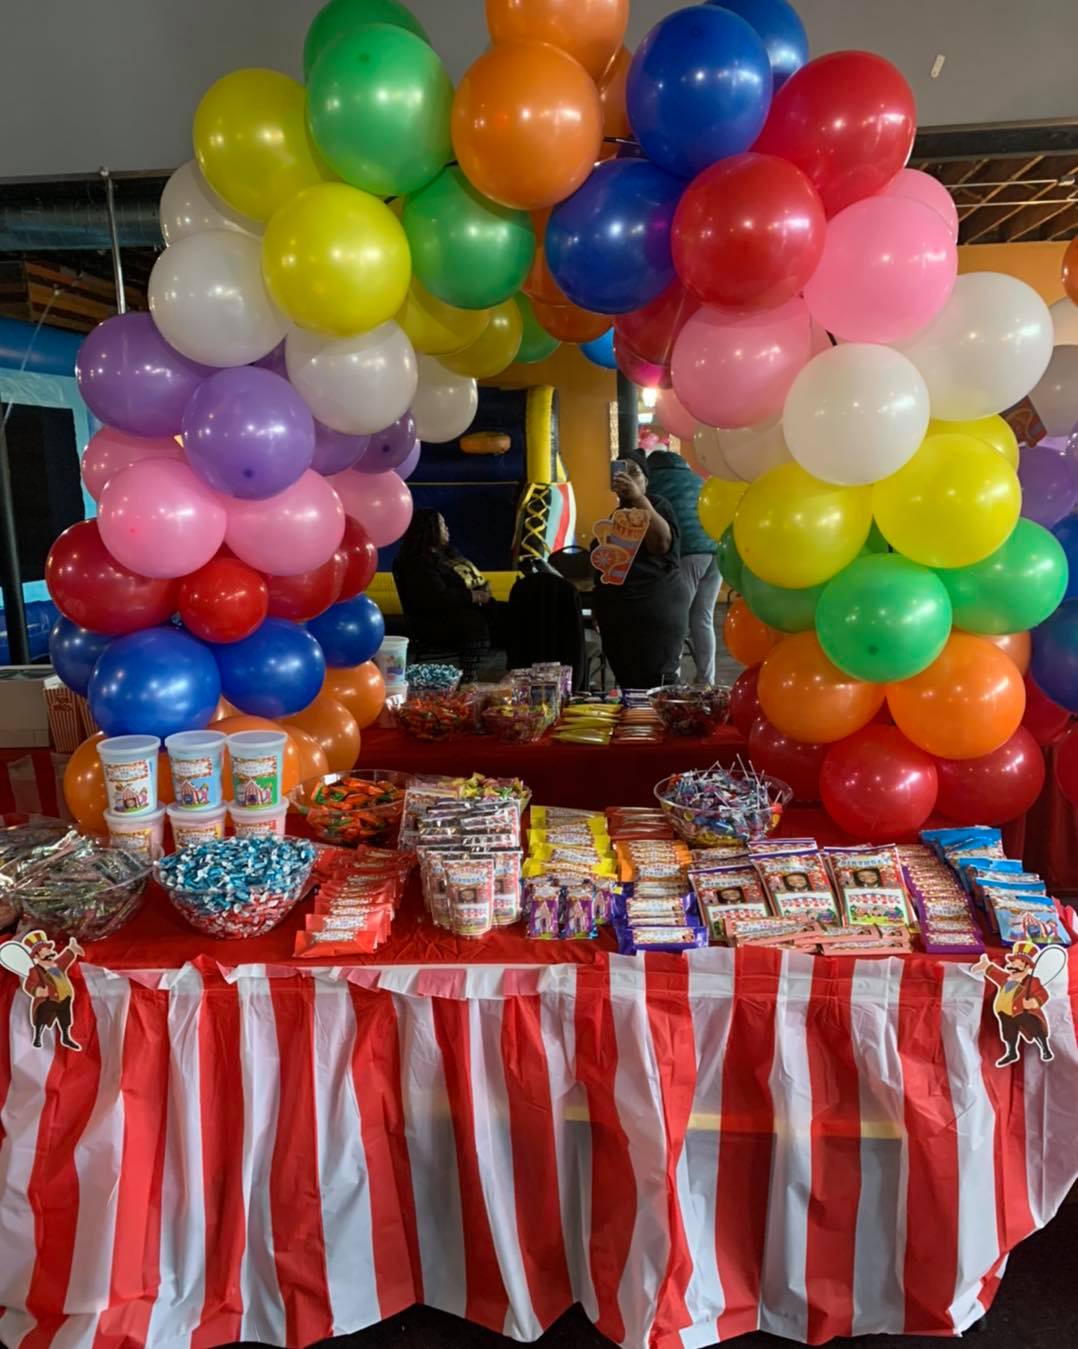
747	639
810	699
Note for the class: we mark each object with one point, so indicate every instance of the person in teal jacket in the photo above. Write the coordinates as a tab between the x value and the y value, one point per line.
672	479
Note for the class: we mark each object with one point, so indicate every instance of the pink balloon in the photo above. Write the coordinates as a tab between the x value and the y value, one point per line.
735	372
381	502
159	519
929	191
647	374
674	417
295	531
888	268
110	450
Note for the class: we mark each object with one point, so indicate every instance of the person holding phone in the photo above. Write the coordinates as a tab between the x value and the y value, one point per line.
644	621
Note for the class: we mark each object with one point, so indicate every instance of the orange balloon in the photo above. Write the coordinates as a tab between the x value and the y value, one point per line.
291	773
539	283
527	124
312	757
810	699
616	125
968	703
570	323
84	786
335	729
361	689
589	30
747	639
165	794
1017	645
223	709
1070	270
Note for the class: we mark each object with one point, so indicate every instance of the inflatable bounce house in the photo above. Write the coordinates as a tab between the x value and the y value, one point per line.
502	489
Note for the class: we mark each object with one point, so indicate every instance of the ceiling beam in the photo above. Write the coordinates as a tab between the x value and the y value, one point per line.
995	140
1063	228
1030	220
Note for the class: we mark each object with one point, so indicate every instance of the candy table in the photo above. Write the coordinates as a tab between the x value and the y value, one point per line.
690	1147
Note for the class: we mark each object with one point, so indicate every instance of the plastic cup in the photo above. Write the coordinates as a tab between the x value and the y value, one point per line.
195	758
247	823
129	763
141	834
190	827
392	659
257	761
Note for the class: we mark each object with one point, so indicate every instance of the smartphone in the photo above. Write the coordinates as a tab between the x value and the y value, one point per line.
618	466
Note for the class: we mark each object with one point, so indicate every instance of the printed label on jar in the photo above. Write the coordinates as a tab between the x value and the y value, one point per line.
129	785
256	782
255	827
188	835
136	840
193	780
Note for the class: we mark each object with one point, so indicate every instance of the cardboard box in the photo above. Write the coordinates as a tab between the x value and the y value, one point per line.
24	720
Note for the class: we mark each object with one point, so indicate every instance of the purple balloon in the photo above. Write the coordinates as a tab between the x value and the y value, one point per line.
274	360
334	451
130	377
412	462
1049	485
389	448
247	432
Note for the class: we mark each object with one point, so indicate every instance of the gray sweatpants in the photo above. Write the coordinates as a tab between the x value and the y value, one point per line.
700	574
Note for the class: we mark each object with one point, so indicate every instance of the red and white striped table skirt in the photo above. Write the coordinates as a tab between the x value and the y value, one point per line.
691	1150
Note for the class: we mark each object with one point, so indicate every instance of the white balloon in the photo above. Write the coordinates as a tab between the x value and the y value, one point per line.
190	206
986	350
358	385
856	414
1065	322
1056	394
755	450
710	455
209	301
445	404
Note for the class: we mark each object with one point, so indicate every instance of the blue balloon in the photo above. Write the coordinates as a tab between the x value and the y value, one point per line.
154	682
349	633
74	652
276	672
699	89
1054	666
1067	534
608	245
600	351
783	33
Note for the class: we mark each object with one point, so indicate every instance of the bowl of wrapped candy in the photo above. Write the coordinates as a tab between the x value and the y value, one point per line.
518	723
429	677
74	886
723	805
364	805
436	716
237	887
684	709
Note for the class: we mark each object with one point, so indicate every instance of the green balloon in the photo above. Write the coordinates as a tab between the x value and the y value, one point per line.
536	344
778	607
378	105
467	250
731	568
883	618
1015	588
344	16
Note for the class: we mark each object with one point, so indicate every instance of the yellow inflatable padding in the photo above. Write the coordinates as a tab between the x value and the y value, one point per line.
383	589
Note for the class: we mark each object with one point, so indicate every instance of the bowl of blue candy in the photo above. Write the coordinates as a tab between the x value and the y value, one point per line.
237	887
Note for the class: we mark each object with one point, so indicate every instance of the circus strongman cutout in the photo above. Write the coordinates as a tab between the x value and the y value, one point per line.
1021	984
44	972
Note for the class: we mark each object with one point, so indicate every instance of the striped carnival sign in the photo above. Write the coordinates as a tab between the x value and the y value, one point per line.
691	1149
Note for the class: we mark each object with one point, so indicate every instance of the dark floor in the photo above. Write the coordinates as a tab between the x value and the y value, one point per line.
1037	1308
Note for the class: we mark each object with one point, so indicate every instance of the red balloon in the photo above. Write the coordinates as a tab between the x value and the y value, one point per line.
224	601
95	591
360	559
1045	720
745	701
794	762
652	331
648	374
749	232
878	786
308	593
1067	766
995	789
847	120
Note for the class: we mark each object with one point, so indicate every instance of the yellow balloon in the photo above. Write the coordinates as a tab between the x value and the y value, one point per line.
956	501
495	348
336	260
251	142
993	431
435	328
718	504
793	530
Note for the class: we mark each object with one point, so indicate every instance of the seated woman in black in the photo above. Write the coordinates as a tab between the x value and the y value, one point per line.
445	598
643	622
